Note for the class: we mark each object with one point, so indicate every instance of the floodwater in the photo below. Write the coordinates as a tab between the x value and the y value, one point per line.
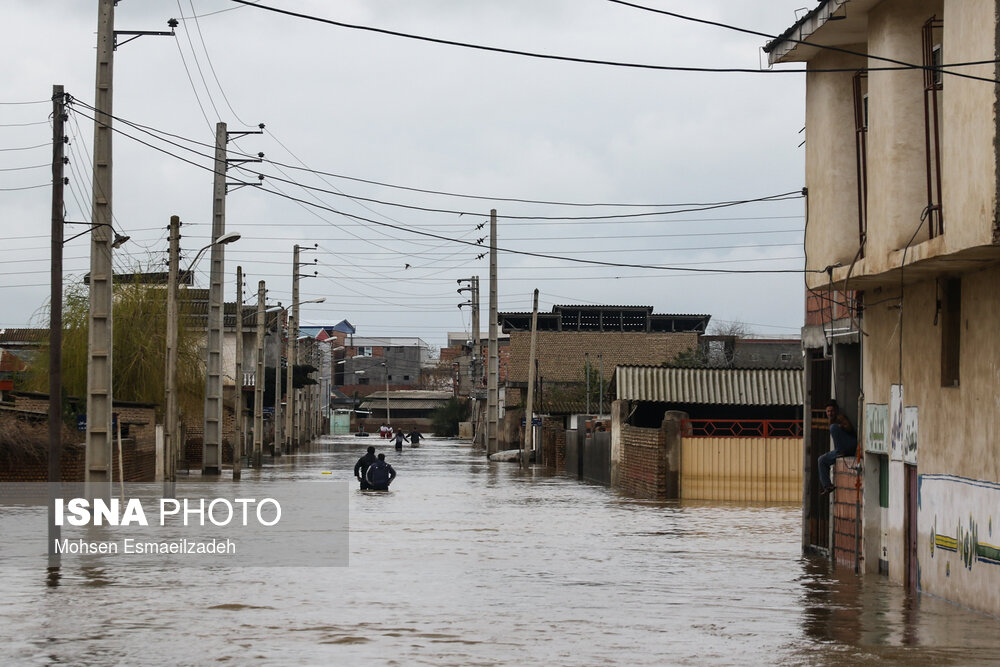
468	562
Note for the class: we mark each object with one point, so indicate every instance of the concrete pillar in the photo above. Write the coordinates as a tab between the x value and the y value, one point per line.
619	413
673	432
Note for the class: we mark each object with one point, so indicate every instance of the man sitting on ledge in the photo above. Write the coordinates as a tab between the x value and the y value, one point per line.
845	443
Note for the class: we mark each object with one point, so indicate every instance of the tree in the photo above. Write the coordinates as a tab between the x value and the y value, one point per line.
139	347
445	420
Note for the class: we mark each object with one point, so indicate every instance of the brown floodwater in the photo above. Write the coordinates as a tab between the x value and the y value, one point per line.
468	562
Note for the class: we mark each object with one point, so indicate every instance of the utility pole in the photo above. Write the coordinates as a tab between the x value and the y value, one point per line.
55	316
258	381
492	384
586	374
292	419
211	448
529	405
279	437
170	418
293	334
238	380
97	468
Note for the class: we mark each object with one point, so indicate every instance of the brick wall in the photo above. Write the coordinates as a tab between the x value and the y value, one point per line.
554	443
643	467
561	353
845	507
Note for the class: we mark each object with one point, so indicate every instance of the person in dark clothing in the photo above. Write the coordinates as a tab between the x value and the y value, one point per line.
380	474
400	437
845	443
415	437
361	467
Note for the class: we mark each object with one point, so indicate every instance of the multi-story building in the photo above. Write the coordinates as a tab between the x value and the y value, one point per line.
903	273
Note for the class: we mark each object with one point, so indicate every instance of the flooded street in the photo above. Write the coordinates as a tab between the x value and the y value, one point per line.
467	562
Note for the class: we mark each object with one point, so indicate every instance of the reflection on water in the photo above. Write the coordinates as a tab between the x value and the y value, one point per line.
467	562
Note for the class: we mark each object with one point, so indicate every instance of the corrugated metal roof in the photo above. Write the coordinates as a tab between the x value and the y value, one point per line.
718	386
405	404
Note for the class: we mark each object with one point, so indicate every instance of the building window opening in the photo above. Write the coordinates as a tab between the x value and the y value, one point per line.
950	308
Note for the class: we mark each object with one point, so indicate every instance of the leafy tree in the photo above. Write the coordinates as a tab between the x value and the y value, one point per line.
693	357
445	420
139	347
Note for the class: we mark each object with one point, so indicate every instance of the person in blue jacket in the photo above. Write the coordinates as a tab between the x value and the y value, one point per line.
380	474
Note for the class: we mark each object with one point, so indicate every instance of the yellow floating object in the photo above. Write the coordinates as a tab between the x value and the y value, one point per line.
326	472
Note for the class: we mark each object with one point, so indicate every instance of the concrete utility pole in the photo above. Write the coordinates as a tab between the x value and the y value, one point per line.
289	390
492	383
586	373
292	419
293	334
211	448
529	404
279	437
238	380
170	418
258	381
55	317
97	468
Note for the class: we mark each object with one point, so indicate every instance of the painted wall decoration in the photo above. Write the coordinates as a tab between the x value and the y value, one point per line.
910	435
957	518
896	423
876	428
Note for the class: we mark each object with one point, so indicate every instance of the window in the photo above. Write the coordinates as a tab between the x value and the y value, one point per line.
883	480
363	380
785	356
406	377
365	351
950	313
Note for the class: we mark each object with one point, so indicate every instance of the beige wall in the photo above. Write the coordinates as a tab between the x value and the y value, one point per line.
831	167
897	184
896	155
959	427
968	151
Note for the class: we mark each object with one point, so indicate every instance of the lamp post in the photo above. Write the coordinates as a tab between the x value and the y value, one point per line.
172	447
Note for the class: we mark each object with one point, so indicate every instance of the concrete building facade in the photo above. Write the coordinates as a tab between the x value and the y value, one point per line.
903	179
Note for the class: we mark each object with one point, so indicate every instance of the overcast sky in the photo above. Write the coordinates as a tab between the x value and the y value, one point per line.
410	113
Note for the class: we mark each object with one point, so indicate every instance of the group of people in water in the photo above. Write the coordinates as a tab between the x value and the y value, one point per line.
373	472
414	437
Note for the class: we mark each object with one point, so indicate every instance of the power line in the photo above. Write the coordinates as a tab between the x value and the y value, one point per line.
694	207
24	148
936	68
589	61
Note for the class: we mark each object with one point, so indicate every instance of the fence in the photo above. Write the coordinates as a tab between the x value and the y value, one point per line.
742	428
756	460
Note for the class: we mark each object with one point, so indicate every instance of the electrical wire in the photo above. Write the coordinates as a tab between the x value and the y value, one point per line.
26	187
36	166
589	61
941	68
24	148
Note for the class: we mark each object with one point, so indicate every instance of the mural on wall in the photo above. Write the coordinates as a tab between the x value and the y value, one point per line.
957	517
896	423
876	428
910	435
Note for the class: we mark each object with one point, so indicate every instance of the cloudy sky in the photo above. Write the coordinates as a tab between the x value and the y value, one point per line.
361	124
